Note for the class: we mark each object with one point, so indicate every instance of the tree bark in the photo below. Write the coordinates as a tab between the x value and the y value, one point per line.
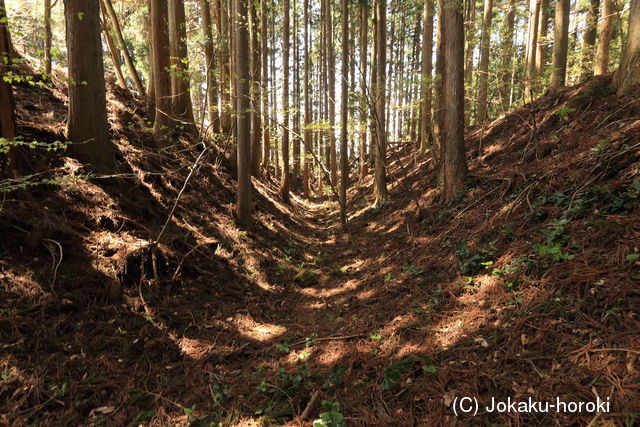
589	40
439	124
426	137
7	103
181	106
455	166
266	123
284	183
133	73
344	116
470	38
364	30
628	75
543	30
530	80
380	176
560	46
331	70
256	120
210	64
161	78
307	105
243	205
604	38
47	37
483	69
506	56
296	100
87	127
114	53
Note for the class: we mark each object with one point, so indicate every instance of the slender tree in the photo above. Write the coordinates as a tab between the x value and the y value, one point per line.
266	123
380	176
181	106
284	183
604	37
87	127
47	37
243	104
344	115
543	31
161	77
470	38
560	45
114	53
331	79
364	30
530	80
115	26
455	166
256	120
426	137
209	63
628	75
589	39
506	56
307	104
7	103
483	69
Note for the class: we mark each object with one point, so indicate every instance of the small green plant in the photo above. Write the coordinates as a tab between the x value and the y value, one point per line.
331	417
472	264
411	269
600	147
375	336
563	112
632	257
428	366
553	251
335	377
59	391
392	374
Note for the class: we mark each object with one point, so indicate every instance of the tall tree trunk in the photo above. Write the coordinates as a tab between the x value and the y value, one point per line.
604	37
364	30
161	78
151	95
135	77
506	56
543	30
426	137
439	124
344	116
296	99
483	69
114	53
241	45
470	38
455	166
7	103
589	40
373	87
628	75
331	70
266	123
256	120
284	185
530	80
209	64
560	45
47	37
380	176
182	108
222	24
307	104
87	127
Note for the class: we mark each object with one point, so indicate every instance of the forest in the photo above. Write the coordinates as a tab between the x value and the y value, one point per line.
322	213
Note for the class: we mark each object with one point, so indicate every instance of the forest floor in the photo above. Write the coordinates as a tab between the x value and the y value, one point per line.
527	285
